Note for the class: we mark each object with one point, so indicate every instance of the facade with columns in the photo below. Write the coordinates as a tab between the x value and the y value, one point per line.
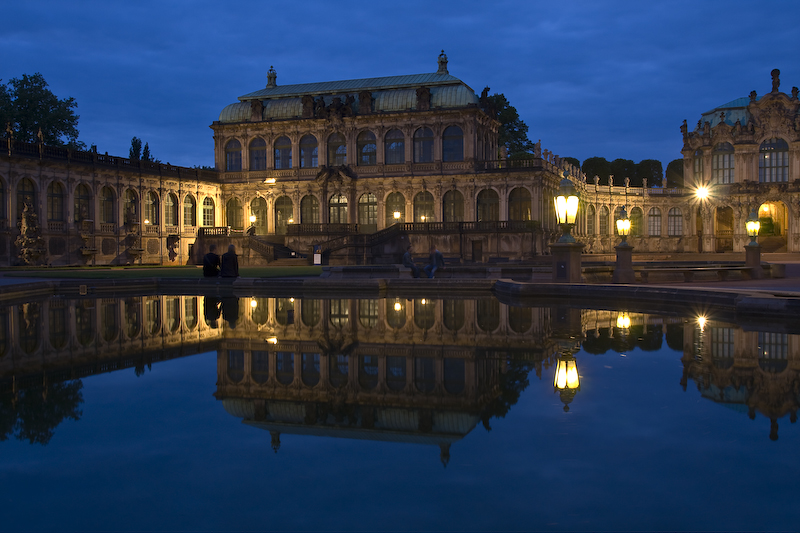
303	165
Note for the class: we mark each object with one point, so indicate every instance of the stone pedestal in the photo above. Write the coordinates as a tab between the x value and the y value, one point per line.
566	262
752	258
623	270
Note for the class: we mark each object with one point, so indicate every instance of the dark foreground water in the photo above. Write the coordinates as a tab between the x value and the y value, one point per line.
138	414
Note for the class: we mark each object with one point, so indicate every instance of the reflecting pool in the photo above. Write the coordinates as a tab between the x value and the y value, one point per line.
192	412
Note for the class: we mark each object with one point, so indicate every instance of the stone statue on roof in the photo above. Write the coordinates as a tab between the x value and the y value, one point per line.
776	81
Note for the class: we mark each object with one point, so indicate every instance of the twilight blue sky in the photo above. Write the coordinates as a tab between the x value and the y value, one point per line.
612	79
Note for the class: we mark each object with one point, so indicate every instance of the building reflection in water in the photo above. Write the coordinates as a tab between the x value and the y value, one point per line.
407	370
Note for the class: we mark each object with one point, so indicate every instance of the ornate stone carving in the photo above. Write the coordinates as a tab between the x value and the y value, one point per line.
308	106
365	102
423	99
256	111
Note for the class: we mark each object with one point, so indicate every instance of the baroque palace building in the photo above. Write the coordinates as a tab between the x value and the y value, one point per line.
361	168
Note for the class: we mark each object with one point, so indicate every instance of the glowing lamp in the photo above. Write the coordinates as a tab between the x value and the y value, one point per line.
272	340
624	226
253	303
701	321
566	381
270	181
147	221
701	192
623	321
398	307
252	219
566	204
753	226
291	221
397	215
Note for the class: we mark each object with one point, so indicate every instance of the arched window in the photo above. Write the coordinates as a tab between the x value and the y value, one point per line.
171	210
368	313
233	156
108	215
151	210
395	208
602	221
453	314
395	313
337	209
308	152
675	222
309	370
258	209
309	210
423	207
259	313
697	166
340	313
424	313
654	222
283	153
234	214
26	194
722	167
337	150
367	149
109	320
131	207
425	374
368	209
59	332
488	206
55	202
83	203
284	213
338	370
453	207
423	145
453	144
189	211
190	312
368	371
454	378
258	154
519	204
590	225
172	316
637	224
310	312
395	148
209	216
773	161
487	311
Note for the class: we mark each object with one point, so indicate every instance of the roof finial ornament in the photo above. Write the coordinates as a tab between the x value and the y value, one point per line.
272	78
776	81
442	64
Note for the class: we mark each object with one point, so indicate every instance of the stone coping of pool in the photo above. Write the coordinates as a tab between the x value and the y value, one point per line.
764	303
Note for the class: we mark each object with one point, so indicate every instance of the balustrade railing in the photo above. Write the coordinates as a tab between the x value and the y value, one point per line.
41	151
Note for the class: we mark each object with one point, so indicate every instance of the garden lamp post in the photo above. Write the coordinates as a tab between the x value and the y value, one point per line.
567	332
753	249
623	270
566	251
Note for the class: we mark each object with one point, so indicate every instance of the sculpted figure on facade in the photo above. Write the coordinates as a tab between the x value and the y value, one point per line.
423	99
365	103
308	106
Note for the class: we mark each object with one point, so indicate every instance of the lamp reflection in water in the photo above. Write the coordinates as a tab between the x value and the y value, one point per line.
566	381
567	331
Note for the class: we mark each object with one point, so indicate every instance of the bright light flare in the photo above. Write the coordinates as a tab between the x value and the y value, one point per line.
701	193
701	321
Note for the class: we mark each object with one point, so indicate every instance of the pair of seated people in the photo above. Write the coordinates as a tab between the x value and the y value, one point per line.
436	262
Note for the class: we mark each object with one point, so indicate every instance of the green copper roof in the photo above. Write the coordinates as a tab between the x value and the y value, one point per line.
349	86
391	98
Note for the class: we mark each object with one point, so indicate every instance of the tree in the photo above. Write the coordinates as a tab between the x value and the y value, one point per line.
625	168
135	152
513	132
28	105
573	161
675	173
652	170
596	166
146	153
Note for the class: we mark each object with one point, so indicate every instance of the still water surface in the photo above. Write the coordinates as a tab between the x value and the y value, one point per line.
194	413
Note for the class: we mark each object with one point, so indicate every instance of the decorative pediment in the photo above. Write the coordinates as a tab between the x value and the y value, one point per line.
774	115
339	176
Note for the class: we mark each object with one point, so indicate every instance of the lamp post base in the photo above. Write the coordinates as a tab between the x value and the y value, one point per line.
566	262
623	270
752	259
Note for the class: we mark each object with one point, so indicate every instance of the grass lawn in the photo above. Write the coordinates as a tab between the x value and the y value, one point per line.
147	272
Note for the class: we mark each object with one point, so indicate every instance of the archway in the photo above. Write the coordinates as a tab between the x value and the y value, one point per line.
723	229
774	225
